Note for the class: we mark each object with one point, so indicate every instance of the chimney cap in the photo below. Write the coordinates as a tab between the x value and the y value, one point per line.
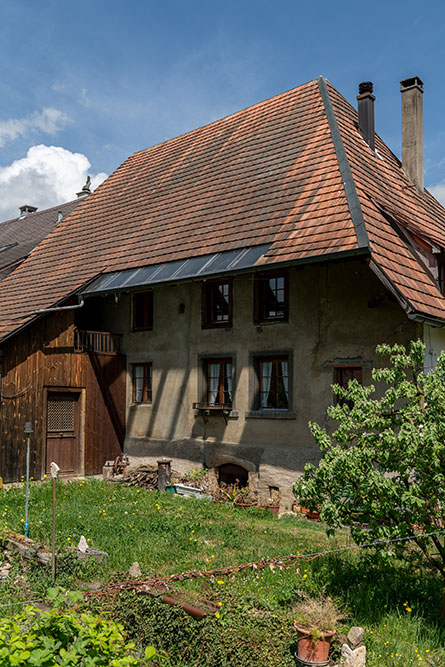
413	81
365	87
26	208
86	189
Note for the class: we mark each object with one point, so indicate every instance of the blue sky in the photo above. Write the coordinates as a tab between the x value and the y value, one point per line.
84	85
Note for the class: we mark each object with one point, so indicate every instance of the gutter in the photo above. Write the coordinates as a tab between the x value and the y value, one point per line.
53	309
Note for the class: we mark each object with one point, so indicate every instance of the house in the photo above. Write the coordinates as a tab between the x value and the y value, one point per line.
201	302
19	236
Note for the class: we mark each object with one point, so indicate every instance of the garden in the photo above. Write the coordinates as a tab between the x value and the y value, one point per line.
396	603
188	581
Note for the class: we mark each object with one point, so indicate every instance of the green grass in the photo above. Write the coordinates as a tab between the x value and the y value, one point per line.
168	534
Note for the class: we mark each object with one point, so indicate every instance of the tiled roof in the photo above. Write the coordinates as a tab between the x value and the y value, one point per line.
291	171
18	237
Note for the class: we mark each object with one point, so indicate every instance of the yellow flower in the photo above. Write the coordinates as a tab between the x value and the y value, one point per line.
193	531
218	615
69	539
408	609
212	556
45	476
219	604
304	576
220	581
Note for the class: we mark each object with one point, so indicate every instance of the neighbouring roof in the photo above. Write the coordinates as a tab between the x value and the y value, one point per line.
18	237
291	173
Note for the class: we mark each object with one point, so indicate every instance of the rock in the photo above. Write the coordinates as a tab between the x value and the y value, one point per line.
83	545
353	657
135	570
356	636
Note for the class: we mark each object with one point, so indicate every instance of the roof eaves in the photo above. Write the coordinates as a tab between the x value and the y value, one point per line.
388	283
345	169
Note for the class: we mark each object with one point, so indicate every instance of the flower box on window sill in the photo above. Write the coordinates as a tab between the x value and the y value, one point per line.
212	409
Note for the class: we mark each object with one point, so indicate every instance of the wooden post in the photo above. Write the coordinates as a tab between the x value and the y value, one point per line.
54	473
164	473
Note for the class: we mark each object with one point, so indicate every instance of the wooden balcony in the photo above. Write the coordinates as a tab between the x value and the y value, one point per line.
100	342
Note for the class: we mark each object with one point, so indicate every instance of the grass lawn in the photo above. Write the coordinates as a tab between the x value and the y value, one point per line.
168	534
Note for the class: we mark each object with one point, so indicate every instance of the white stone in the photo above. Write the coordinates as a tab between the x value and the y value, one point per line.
135	570
353	658
83	545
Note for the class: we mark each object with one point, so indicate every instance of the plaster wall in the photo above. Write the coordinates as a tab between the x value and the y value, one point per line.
434	339
330	322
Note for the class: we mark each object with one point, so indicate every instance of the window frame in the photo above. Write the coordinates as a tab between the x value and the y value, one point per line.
261	283
147	389
208	300
274	360
338	369
147	311
221	389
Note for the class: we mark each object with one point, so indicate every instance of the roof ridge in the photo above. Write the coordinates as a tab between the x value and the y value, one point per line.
354	206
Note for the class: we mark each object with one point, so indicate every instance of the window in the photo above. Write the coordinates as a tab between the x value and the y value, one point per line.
271	297
217	303
218	375
142	383
142	311
273	380
342	375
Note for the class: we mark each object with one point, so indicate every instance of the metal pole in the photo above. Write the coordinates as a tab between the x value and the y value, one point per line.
28	431
54	473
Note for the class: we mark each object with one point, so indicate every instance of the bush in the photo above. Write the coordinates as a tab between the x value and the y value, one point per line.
65	637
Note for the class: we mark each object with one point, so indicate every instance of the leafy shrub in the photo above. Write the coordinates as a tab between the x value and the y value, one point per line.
65	637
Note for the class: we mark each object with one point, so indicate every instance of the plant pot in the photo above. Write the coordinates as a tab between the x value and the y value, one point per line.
273	508
311	651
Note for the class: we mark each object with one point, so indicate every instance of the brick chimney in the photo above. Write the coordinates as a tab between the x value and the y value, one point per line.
365	100
412	130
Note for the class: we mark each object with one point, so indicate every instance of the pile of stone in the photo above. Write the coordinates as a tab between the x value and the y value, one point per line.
353	652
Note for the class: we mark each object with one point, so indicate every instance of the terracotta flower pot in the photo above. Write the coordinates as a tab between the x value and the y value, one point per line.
310	650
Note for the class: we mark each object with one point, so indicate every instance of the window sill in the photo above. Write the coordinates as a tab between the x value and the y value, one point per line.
204	408
217	325
135	405
271	414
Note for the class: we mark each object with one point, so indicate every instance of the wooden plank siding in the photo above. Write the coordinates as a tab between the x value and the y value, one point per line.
42	358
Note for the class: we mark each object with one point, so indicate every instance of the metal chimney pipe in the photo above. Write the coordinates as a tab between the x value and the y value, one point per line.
365	100
412	130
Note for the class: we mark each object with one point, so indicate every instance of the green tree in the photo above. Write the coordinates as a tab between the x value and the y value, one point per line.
382	471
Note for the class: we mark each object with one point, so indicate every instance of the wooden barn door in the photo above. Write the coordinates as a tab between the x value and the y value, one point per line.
62	431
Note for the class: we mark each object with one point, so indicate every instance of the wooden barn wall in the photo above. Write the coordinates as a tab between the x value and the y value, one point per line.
40	358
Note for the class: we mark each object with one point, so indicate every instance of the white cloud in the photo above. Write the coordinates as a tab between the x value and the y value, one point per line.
47	121
47	176
438	191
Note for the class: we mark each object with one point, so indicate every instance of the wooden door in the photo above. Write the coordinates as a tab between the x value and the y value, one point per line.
62	431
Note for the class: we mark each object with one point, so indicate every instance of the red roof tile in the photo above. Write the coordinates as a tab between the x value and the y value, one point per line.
288	171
